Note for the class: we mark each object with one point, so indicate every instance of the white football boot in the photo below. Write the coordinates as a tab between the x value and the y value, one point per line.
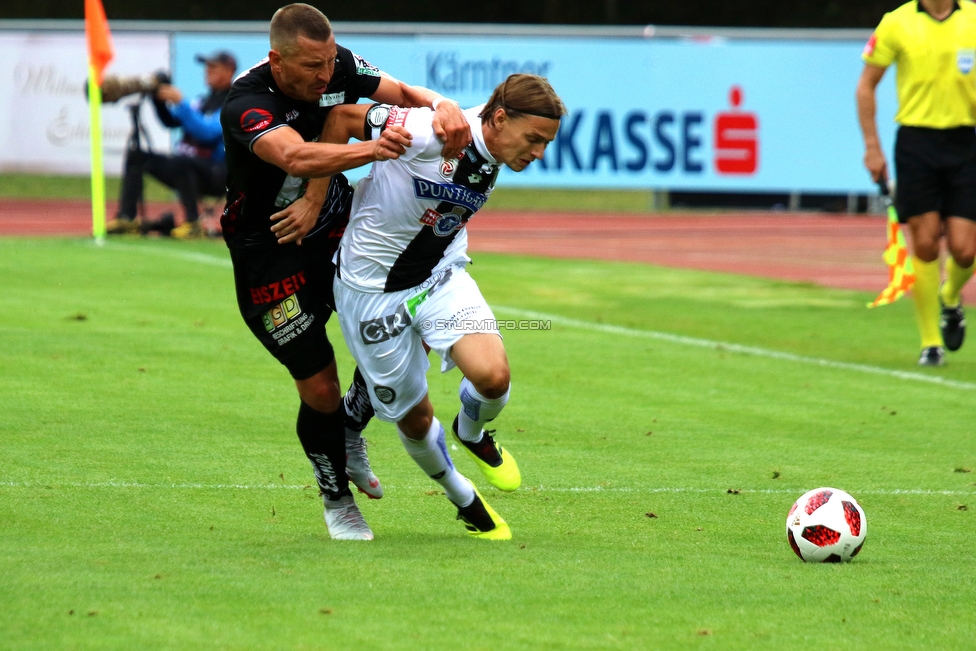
344	520
359	471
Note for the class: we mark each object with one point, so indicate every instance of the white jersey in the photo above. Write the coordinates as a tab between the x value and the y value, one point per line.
408	215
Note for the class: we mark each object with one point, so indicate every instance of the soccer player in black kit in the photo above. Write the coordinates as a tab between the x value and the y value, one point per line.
282	229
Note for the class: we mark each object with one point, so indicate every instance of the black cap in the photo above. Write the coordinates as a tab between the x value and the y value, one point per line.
221	57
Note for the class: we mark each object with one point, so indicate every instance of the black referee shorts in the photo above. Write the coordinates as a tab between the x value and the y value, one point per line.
936	172
284	293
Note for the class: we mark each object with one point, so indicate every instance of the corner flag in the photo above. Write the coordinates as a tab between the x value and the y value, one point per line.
99	54
901	272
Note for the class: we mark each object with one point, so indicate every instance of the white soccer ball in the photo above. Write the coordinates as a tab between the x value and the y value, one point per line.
826	525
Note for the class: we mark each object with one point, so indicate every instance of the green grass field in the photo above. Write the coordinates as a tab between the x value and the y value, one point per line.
41	186
37	186
153	493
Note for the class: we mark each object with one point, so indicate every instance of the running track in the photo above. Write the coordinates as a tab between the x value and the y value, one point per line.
830	250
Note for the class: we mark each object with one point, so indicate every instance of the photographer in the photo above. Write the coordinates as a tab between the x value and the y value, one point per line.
196	167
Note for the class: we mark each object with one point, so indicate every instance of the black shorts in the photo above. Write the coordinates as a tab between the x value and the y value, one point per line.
284	293
936	172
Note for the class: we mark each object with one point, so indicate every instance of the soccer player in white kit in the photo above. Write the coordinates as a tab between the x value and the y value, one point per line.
401	279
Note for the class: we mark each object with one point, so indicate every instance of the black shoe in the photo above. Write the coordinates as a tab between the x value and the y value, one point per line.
481	521
356	405
486	450
932	356
953	325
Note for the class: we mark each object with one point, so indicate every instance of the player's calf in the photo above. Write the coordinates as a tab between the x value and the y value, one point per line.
495	463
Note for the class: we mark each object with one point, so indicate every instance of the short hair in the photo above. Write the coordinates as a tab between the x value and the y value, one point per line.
522	95
294	20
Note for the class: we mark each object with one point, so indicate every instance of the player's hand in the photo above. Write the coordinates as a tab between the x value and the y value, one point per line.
451	128
875	163
169	93
392	143
296	220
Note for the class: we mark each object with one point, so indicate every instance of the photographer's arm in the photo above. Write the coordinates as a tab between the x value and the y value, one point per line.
205	128
164	94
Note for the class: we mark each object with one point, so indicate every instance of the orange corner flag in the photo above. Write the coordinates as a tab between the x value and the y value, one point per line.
100	50
901	272
99	54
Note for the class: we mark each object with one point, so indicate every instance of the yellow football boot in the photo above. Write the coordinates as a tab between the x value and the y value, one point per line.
481	521
495	463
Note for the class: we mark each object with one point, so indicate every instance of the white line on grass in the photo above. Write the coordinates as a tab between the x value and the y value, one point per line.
531	489
192	256
204	258
733	348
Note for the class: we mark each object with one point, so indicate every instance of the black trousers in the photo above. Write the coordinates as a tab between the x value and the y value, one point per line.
191	177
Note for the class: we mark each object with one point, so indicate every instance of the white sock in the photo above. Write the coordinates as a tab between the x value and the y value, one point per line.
476	410
431	455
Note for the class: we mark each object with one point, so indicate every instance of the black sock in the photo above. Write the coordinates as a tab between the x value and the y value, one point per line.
356	405
324	441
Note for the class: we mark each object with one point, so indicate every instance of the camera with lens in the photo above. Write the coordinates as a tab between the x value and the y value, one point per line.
115	87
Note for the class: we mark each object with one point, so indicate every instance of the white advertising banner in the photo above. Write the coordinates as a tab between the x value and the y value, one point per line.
44	122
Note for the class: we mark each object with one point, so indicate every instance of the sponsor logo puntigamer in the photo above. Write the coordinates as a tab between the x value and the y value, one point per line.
450	192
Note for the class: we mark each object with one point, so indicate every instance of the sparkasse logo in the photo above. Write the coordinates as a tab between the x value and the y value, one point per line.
663	142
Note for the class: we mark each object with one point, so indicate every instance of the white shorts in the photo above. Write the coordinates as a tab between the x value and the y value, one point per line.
385	333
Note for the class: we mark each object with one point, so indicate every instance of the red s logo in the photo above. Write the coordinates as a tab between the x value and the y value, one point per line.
736	139
255	119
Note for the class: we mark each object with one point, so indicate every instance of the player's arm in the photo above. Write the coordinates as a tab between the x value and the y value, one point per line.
450	127
344	123
874	159
284	148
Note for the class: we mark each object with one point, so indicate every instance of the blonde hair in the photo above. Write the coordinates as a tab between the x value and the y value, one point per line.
522	95
294	20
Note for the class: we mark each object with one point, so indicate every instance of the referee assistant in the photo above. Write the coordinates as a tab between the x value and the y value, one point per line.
933	45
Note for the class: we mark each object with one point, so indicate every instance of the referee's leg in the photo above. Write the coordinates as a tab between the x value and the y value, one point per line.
961	240
926	232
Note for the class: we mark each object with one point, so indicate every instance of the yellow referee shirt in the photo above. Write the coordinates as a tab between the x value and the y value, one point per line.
936	76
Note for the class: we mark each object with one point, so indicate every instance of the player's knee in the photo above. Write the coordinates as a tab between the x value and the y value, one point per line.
416	426
321	396
494	383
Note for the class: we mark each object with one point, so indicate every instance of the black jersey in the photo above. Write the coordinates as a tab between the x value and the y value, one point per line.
257	189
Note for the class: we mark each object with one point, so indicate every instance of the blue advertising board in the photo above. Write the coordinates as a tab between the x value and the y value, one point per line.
681	114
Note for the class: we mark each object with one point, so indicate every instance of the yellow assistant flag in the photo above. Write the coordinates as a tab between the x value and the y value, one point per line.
100	52
901	272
